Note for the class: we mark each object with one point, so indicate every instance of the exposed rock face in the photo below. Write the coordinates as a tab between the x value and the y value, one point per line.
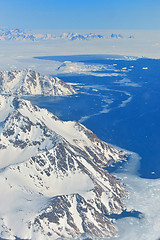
52	177
28	82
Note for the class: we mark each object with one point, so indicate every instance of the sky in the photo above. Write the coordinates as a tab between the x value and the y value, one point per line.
80	14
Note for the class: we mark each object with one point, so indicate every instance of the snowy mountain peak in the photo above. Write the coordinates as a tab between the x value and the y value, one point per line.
52	176
20	35
77	36
28	82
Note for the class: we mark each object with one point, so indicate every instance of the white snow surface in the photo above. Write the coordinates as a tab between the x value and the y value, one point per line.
44	161
19	54
22	200
88	69
28	82
143	196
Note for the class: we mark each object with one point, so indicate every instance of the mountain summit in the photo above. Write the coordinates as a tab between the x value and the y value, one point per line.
20	35
53	181
28	82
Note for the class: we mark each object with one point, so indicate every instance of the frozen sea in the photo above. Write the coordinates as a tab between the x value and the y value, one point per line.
119	100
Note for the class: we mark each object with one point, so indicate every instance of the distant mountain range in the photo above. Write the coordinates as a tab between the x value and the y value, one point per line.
19	34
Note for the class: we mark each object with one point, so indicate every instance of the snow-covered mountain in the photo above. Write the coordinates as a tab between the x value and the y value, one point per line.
19	34
15	34
28	82
52	179
117	36
76	36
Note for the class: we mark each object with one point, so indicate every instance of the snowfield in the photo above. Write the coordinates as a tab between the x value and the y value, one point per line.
28	82
19	54
52	176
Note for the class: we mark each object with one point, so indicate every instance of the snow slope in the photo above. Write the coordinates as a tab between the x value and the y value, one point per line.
52	177
20	35
28	82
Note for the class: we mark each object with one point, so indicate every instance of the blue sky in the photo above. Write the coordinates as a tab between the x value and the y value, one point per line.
80	14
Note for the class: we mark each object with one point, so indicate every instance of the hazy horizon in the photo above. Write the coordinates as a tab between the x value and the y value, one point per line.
97	14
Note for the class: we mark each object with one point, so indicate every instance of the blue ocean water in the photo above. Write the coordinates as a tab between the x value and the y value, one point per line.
121	112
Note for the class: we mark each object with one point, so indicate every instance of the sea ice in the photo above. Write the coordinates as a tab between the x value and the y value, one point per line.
143	196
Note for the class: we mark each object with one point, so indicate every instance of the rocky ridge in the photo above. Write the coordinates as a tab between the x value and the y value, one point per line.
28	82
52	176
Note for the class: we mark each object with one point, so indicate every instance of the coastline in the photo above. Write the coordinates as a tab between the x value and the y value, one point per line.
21	53
143	193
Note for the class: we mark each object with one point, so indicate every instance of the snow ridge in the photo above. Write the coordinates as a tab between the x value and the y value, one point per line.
28	82
20	35
52	176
